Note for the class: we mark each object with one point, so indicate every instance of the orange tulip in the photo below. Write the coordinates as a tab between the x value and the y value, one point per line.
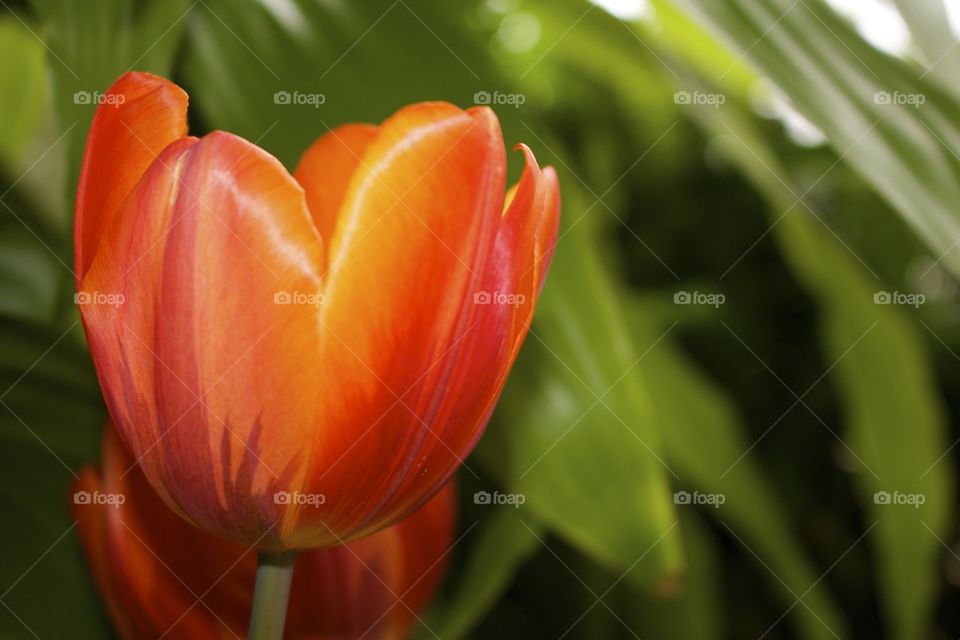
162	577
298	361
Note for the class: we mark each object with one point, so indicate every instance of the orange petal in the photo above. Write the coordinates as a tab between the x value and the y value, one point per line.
325	170
404	258
152	566
140	115
203	361
501	310
92	530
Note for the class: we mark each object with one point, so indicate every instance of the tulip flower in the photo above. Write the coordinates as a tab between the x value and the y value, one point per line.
298	361
301	360
162	577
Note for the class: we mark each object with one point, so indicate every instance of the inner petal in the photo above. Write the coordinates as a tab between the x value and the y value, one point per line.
326	168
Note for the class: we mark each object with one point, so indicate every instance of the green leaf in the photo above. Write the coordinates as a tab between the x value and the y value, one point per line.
864	101
930	27
31	237
22	77
706	443
50	419
238	57
503	542
574	432
694	607
31	270
893	418
703	435
91	44
894	421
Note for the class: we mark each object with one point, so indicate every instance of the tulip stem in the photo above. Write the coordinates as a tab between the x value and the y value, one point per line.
270	595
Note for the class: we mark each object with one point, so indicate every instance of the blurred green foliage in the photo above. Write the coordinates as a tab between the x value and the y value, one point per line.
787	405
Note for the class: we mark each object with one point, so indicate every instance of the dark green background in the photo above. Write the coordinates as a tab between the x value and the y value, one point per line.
797	399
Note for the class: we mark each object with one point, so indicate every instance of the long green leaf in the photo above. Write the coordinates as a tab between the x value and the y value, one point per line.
575	433
90	44
50	420
897	129
695	610
32	220
894	420
22	75
502	543
706	443
930	27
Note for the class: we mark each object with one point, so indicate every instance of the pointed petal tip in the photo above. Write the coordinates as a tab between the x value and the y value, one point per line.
485	114
529	157
139	115
136	84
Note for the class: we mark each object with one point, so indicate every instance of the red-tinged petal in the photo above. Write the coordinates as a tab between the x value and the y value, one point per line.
138	117
150	565
152	568
92	530
512	277
535	212
375	587
326	168
209	363
518	265
404	258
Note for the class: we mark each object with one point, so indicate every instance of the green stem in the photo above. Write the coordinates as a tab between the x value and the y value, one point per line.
270	595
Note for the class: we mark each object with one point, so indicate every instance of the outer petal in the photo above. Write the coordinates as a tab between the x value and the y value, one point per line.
150	565
404	259
152	568
211	354
326	168
140	115
500	313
